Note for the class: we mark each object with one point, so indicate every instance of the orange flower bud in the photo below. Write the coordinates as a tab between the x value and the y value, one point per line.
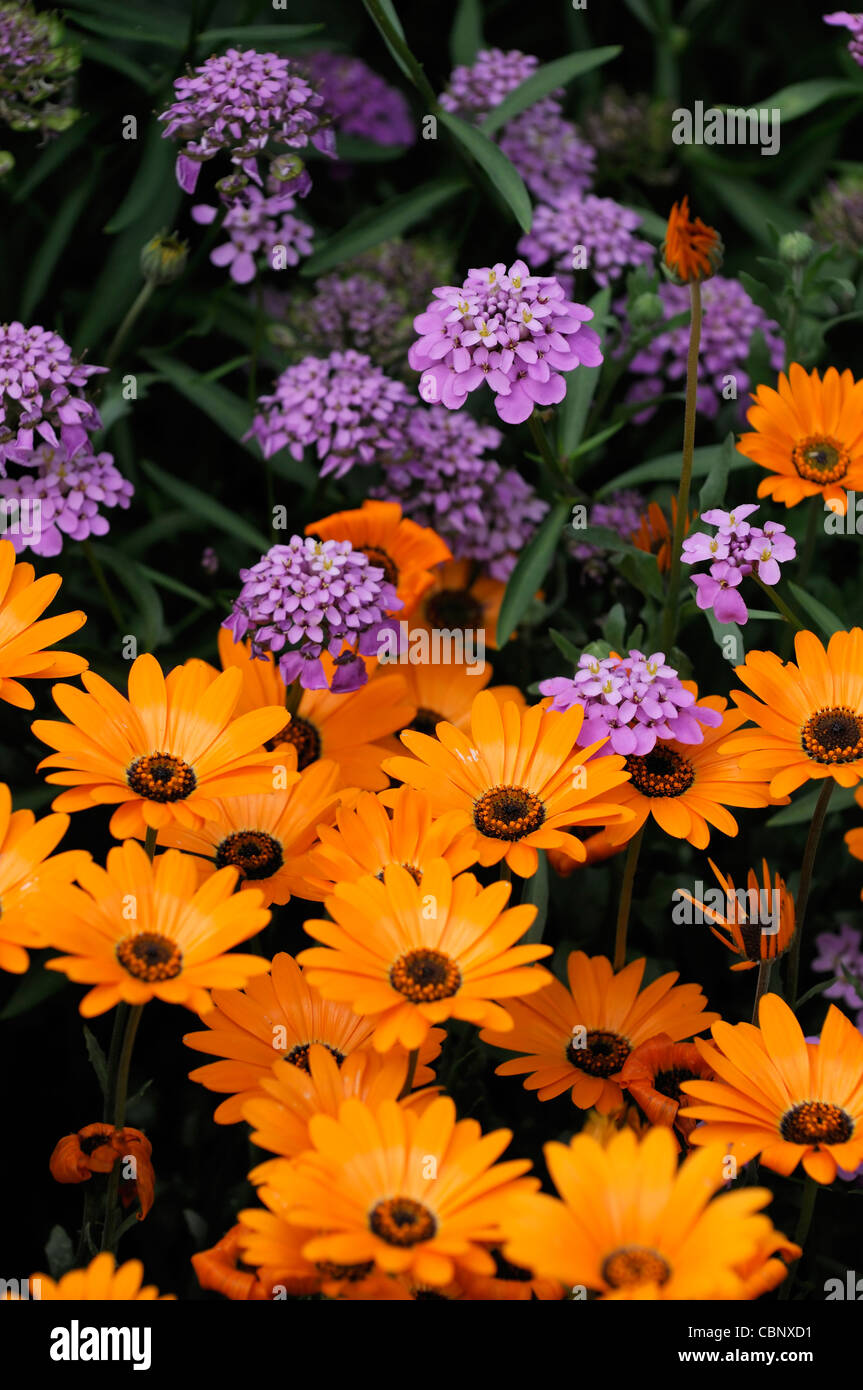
691	250
219	1269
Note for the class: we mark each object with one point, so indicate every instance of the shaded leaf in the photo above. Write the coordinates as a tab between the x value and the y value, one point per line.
250	35
712	492
50	250
531	568
821	615
500	171
380	224
156	166
149	623
203	505
581	387
666	468
465	39
567	649
801	811
723	630
802	97
38	984
98	1060
59	1252
535	892
54	156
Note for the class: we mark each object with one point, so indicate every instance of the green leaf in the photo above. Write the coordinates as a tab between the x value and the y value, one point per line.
98	1060
758	292
642	11
642	571
250	35
800	812
380	224
356	150
108	57
55	156
499	170
722	630
752	206
387	23
595	440
567	649
156	166
614	627
535	892
135	31
174	586
465	39
204	505
666	468
581	388
59	1252
37	985
63	223
802	97
530	570
820	614
545	80
148	625
712	492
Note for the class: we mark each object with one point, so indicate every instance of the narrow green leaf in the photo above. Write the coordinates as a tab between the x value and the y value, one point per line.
531	568
723	630
758	292
595	440
59	1252
108	56
148	625
380	224
581	388
802	97
642	571
37	985
712	492
206	506
55	156
386	21
132	30
156	166
174	586
465	39
666	468
567	649
820	614
355	150
752	206
641	9
801	811
61	227
545	80
249	35
500	171
535	892
614	627
97	1059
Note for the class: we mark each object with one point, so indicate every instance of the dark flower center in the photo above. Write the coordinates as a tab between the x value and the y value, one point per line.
634	1264
415	873
833	736
508	813
305	738
454	608
402	1221
89	1145
668	1083
299	1055
662	772
150	956
426	721
816	1122
423	975
350	1274
820	459
383	561
161	777
602	1055
255	853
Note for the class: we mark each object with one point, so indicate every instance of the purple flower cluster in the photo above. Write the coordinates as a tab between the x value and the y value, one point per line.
443	479
838	953
240	102
40	382
61	497
475	90
36	69
257	223
838	214
509	329
729	323
621	512
343	404
632	701
854	22
603	228
360	101
309	597
735	551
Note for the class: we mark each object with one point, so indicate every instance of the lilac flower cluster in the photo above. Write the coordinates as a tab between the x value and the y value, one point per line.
61	497
729	323
360	101
838	214
509	329
36	69
839	953
309	597
629	132
344	405
604	228
735	551
475	90
620	512
443	479
854	22
40	400
240	102
257	223
632	701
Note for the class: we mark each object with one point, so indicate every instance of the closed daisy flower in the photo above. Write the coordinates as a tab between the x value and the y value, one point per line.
630	1224
579	1039
780	1098
220	1269
691	251
414	955
758	921
27	864
101	1282
653	1074
138	930
279	1017
519	780
416	1194
808	435
808	716
23	638
164	754
406	552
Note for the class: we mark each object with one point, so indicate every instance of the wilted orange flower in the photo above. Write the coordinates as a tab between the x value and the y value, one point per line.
654	533
578	1039
25	866
278	1017
102	1281
413	955
164	753
758	920
762	1271
461	600
691	250
808	434
653	1074
444	691
96	1149
137	930
407	553
23	639
220	1269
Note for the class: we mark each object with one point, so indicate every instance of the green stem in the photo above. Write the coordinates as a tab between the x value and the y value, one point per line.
804	1222
625	903
150	842
670	616
120	336
118	1093
765	968
104	589
412	1071
779	604
293	697
815	827
543	444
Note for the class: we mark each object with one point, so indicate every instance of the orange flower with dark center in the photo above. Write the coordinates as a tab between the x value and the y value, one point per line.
96	1149
461	599
221	1269
691	250
654	533
26	865
653	1074
23	638
407	553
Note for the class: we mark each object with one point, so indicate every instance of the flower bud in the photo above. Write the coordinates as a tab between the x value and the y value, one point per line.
163	259
646	310
795	248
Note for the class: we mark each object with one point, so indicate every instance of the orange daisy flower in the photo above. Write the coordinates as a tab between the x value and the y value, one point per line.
518	780
220	1269
407	553
578	1039
267	838
25	867
461	599
164	754
101	1282
655	535
691	250
808	434
443	692
758	920
779	1096
23	639
353	730
417	1194
853	839
97	1148
142	930
413	955
653	1074
631	1224
688	787
511	1283
278	1017
762	1272
809	717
